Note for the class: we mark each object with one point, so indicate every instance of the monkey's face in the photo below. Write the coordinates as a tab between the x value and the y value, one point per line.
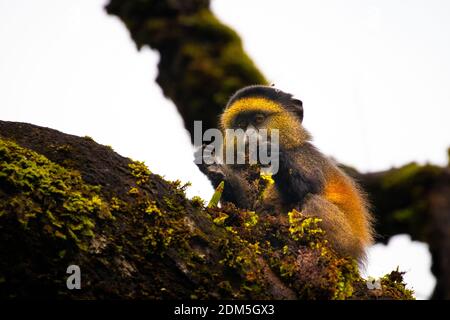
256	113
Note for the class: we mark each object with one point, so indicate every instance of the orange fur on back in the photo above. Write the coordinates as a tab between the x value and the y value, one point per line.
343	193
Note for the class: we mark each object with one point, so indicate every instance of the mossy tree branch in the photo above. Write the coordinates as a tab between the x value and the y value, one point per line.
67	200
202	61
415	199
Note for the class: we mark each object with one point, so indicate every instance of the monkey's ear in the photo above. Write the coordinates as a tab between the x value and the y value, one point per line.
297	108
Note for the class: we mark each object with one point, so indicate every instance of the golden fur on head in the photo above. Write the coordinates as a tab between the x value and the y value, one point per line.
292	133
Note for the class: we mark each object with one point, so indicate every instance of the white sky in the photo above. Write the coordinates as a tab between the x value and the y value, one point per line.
374	77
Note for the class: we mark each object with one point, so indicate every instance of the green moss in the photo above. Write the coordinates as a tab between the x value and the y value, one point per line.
198	202
117	204
54	197
410	175
286	268
220	218
173	204
303	228
225	287
140	171
133	191
152	209
179	187
264	183
250	218
241	255
346	275
231	230
165	224
393	285
159	238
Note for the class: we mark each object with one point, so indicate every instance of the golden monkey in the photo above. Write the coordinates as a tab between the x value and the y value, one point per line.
306	179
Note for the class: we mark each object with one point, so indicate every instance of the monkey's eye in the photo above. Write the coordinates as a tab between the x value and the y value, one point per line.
259	118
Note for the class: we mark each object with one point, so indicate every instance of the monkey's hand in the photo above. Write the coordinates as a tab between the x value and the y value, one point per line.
236	189
296	180
206	162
